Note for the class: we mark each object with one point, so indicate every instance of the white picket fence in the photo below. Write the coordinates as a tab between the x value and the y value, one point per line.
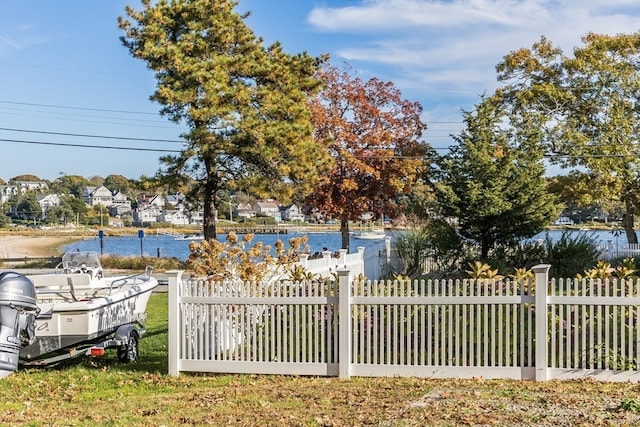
372	262
454	329
611	250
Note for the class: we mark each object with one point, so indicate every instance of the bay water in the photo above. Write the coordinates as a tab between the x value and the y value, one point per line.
167	246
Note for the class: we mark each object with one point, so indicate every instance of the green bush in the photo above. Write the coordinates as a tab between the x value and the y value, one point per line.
570	256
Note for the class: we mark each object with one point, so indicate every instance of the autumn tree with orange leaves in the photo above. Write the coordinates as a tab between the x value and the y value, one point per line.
374	137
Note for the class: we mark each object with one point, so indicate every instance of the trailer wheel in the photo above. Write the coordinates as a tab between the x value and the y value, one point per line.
128	353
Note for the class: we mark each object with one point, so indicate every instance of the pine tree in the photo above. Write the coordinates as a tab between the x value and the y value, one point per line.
245	105
492	181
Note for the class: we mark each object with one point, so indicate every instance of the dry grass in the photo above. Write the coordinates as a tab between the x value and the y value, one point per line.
100	395
103	392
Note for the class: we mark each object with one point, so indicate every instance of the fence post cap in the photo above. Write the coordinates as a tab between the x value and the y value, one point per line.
541	268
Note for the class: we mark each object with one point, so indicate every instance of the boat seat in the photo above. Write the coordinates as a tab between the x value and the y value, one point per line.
60	280
66	287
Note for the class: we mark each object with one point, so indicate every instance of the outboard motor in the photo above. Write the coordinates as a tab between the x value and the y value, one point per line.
18	311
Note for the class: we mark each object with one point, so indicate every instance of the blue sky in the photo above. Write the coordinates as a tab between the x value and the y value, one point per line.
63	71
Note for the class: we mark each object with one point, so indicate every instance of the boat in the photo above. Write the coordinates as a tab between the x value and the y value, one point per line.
370	235
196	236
83	312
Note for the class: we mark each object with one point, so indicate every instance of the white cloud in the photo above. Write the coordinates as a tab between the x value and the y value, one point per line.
19	37
440	47
405	14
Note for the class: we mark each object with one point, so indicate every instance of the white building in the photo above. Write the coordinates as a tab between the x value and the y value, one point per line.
292	213
47	201
101	195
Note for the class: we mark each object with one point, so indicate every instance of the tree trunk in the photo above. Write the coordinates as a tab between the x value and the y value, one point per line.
211	189
484	248
344	229
628	222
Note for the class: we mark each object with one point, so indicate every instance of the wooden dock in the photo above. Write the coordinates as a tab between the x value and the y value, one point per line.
260	229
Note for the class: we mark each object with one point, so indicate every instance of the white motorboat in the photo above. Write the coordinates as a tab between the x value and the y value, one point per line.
196	236
82	312
370	235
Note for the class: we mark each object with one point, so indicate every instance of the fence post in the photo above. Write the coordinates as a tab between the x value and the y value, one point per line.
303	260
342	258
344	325
175	290
326	263
541	272
360	265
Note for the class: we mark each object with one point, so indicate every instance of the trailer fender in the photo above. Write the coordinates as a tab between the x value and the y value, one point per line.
124	332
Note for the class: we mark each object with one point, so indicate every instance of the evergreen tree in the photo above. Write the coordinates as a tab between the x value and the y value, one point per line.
245	105
492	181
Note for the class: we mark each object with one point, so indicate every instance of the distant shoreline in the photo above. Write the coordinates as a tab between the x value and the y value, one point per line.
32	246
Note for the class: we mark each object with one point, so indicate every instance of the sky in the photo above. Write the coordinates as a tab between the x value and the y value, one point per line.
74	102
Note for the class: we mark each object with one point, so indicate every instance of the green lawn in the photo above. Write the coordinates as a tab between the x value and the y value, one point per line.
103	392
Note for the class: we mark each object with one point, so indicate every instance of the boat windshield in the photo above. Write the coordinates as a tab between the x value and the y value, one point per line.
73	261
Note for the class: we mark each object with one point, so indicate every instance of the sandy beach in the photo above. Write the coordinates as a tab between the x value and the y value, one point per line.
31	246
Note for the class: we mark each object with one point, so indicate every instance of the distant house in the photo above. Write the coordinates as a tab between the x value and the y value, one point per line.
32	185
291	213
8	191
175	200
197	217
154	200
268	208
176	217
47	201
94	196
563	220
146	215
120	205
245	210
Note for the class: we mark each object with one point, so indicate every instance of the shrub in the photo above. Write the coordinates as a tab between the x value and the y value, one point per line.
570	256
437	241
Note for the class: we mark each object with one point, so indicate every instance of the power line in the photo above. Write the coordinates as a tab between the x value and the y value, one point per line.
91	136
78	108
106	147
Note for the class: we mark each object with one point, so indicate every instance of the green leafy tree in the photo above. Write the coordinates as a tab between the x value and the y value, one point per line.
588	107
76	207
578	193
96	181
28	206
117	183
25	177
374	136
70	184
245	105
63	213
492	181
4	220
